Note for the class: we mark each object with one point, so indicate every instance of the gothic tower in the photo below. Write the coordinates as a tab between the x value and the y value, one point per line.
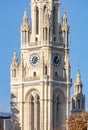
40	83
78	99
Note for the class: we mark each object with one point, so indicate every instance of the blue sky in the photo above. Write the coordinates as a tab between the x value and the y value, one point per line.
11	13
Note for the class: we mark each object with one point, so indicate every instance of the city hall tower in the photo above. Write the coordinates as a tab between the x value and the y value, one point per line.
40	83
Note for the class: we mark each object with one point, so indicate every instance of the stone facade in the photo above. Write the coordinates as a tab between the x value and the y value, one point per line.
40	83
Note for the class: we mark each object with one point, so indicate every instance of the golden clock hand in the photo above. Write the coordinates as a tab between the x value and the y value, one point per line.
34	59
57	59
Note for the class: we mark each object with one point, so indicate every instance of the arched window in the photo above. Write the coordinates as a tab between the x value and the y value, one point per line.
37	20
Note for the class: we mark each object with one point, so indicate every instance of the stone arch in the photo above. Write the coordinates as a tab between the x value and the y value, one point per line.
59	105
30	92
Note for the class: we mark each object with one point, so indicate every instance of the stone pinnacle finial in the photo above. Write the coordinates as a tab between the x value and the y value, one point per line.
64	18
15	59
25	18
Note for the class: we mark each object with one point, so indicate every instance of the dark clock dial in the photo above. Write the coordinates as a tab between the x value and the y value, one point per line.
34	59
56	59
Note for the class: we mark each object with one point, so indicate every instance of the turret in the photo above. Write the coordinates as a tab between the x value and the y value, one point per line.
25	31
14	65
78	99
64	30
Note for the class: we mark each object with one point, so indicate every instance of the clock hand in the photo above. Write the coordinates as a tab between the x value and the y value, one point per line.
34	59
58	58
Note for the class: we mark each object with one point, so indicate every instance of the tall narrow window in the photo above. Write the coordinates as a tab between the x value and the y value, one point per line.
38	113
46	33
25	36
32	113
45	71
44	10
43	33
78	104
73	104
54	20
57	109
37	20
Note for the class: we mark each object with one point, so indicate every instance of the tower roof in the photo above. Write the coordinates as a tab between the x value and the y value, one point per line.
78	79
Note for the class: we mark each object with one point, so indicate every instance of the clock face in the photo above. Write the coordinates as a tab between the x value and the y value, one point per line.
56	59
34	59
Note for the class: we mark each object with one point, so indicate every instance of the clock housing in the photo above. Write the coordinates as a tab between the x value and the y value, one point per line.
34	59
56	59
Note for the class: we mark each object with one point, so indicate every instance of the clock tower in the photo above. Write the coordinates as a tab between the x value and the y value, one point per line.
40	83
